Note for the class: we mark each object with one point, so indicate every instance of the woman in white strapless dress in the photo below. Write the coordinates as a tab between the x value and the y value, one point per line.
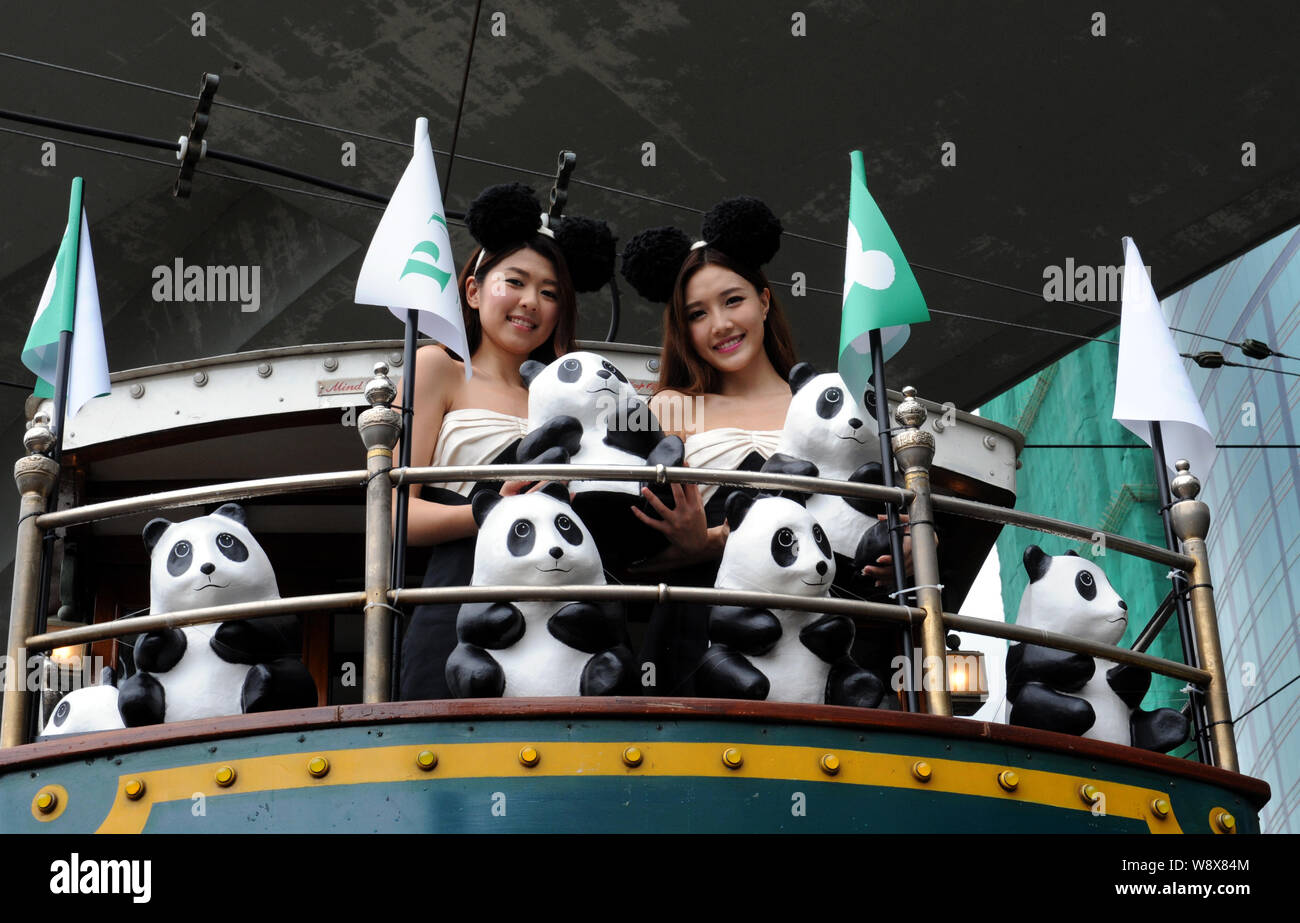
518	303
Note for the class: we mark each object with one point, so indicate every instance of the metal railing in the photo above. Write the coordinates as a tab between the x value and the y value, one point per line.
378	426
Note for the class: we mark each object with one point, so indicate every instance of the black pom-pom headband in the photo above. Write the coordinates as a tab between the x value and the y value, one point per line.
504	216
743	228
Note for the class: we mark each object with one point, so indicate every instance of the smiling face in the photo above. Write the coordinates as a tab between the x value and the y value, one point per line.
724	316
518	302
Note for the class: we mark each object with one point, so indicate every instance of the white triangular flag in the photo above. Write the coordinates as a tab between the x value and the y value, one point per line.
1152	383
409	264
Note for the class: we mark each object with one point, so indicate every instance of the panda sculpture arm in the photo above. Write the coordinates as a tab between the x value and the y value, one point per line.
830	638
253	641
490	625
1028	663
141	700
746	629
598	629
870	473
159	651
552	443
1161	729
1032	671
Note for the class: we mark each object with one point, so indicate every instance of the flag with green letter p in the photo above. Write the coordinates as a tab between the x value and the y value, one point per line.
880	292
70	303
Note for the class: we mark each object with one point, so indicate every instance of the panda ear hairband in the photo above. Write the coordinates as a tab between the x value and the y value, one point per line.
504	216
743	228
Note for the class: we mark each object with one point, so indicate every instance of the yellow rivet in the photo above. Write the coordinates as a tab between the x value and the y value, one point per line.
134	789
1160	808
1089	793
830	764
226	776
426	759
318	766
921	769
1227	823
732	758
632	756
1008	779
46	802
529	756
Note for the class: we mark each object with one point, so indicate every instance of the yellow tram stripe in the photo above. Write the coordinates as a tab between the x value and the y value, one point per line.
660	759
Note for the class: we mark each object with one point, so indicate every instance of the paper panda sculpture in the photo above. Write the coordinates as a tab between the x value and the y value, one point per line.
1074	693
783	655
537	648
90	708
826	427
216	669
582	410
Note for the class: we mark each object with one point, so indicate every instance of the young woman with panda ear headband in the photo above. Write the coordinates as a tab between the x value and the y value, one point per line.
518	298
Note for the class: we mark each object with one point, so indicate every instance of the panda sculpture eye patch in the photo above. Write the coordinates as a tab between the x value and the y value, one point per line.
612	368
568	529
570	371
1086	586
829	403
823	543
521	538
785	548
61	714
232	547
180	558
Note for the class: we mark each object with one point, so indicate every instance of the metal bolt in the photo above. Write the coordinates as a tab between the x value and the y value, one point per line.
990	442
1160	807
264	370
137	390
46	802
134	789
922	771
225	776
395	360
529	757
200	378
426	759
732	758
1226	822
632	756
1089	793
331	364
652	365
830	764
318	766
1008	780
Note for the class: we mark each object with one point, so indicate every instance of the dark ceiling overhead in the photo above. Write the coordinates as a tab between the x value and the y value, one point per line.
1065	141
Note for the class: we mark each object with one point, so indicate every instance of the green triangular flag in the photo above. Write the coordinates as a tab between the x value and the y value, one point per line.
880	292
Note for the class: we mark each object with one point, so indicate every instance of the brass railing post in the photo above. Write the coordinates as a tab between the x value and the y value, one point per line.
379	427
1191	522
914	451
36	476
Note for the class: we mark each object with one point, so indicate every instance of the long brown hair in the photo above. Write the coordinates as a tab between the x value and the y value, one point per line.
563	339
681	367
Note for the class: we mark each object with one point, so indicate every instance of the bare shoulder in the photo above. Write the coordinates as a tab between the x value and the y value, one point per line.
676	412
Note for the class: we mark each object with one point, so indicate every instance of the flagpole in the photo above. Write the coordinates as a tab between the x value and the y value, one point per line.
398	575
891	512
1190	655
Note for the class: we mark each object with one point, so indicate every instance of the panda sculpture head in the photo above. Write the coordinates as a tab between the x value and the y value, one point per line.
1071	595
90	708
206	561
578	384
775	546
533	538
826	424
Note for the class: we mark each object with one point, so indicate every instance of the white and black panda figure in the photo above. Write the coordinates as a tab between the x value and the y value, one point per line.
90	708
582	410
827	427
783	655
537	648
204	671
1074	693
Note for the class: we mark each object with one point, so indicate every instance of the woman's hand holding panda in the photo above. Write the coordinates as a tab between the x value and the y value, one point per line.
883	569
685	526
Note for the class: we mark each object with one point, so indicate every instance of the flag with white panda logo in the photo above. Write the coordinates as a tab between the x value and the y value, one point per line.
1151	384
409	265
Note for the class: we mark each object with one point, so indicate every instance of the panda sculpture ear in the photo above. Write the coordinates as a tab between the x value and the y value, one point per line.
153	531
1073	552
800	375
1036	563
738	505
107	678
231	511
530	370
558	491
482	504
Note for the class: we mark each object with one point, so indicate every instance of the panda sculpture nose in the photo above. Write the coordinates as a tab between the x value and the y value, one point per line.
821	568
1123	605
603	373
855	422
557	552
208	568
